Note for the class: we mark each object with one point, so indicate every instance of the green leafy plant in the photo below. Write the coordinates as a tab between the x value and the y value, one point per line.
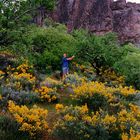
9	129
129	65
50	44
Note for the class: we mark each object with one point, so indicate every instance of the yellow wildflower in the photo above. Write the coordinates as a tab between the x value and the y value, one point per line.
0	97
84	109
68	117
109	119
58	107
31	120
125	136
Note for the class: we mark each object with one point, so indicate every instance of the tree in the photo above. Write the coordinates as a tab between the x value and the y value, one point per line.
18	13
15	10
129	65
99	51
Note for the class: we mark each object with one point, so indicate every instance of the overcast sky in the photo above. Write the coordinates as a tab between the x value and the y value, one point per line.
138	1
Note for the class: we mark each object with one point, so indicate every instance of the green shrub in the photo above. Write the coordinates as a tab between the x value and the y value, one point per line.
98	96
100	51
49	45
74	80
129	48
93	94
129	66
9	129
105	52
76	123
20	97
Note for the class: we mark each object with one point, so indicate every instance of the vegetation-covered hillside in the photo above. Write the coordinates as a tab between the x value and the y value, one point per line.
98	100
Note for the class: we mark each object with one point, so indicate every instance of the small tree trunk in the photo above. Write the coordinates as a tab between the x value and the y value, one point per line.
95	66
40	16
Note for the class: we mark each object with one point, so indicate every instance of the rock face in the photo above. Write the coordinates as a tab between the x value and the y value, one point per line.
126	21
101	16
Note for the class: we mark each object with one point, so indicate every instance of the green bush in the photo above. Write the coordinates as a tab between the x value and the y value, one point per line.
76	123
74	80
105	52
43	47
49	45
20	97
72	125
129	66
100	51
99	96
20	44
9	129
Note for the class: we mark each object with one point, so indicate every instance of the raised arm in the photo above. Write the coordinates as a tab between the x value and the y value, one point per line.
70	58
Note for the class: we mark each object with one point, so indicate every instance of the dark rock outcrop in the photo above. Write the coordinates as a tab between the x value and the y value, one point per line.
101	16
126	21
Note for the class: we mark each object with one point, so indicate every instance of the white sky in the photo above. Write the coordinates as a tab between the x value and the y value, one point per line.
138	1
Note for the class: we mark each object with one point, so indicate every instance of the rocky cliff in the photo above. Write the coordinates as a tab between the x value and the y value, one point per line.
101	16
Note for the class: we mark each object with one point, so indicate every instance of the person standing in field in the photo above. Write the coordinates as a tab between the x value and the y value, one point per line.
65	65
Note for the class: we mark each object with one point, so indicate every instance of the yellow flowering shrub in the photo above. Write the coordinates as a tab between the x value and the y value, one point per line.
78	122
47	94
85	69
31	120
93	93
18	85
111	77
103	113
126	91
0	97
98	95
1	74
20	77
26	76
132	135
134	109
68	117
23	72
98	87
58	107
90	88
